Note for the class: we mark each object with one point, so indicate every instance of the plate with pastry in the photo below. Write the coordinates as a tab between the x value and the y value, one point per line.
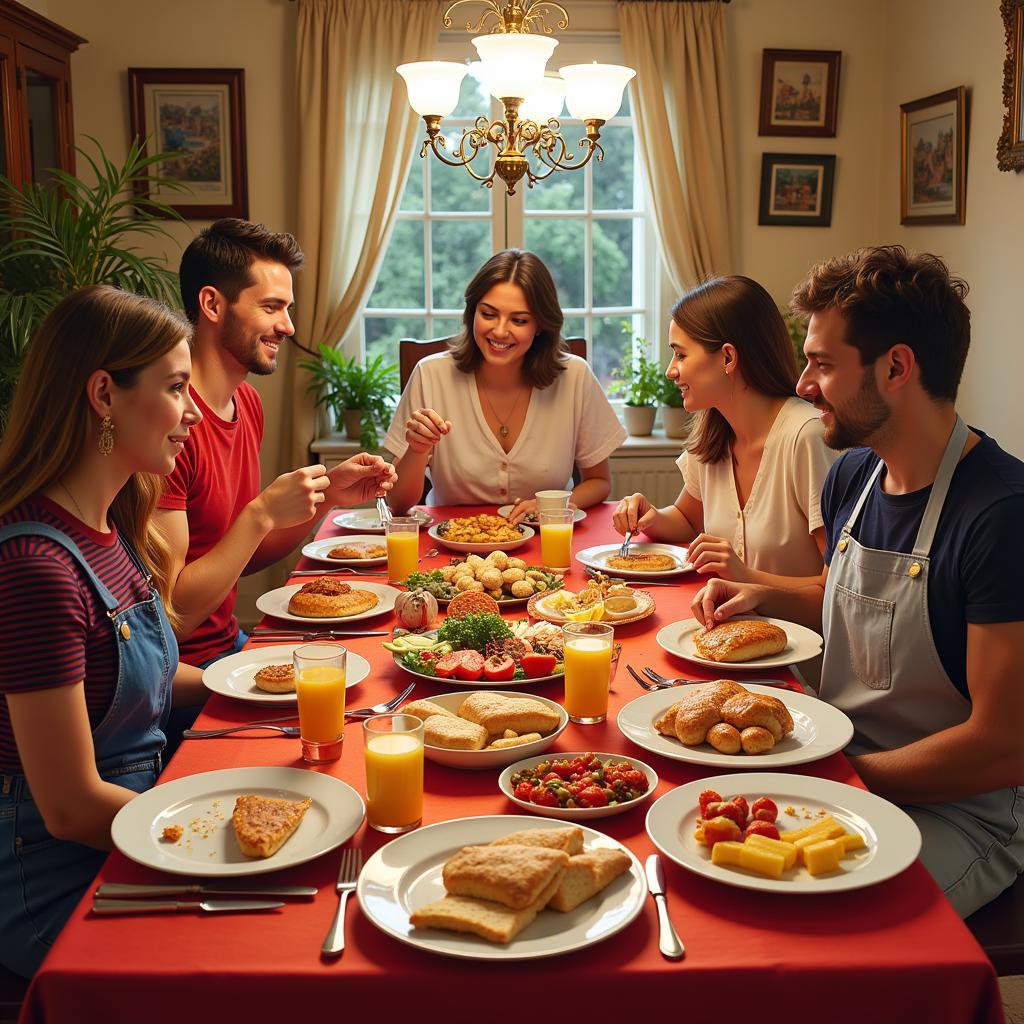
643	560
486	728
328	599
266	675
533	518
822	836
366	520
502	888
480	534
237	821
356	551
724	724
745	643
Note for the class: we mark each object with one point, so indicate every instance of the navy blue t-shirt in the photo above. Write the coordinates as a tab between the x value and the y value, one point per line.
977	557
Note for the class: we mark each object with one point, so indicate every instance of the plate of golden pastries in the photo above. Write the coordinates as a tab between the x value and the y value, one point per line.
328	599
266	675
366	520
237	821
354	551
829	837
642	561
486	728
502	888
480	534
724	724
744	643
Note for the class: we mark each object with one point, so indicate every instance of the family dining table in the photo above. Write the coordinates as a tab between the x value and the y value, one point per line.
894	951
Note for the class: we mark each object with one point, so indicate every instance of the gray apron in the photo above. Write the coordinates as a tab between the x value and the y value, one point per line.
881	667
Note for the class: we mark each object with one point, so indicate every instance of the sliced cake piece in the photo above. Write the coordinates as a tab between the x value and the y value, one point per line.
262	823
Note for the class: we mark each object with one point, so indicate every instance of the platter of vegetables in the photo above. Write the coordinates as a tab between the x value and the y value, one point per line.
482	650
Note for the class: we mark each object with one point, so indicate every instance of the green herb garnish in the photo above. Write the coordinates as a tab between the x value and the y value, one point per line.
472	632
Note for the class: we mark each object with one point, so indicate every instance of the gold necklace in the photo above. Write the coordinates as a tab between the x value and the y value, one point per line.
78	508
502	426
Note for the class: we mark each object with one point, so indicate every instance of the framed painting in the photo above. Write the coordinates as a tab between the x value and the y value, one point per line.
198	115
796	189
1010	148
933	159
799	92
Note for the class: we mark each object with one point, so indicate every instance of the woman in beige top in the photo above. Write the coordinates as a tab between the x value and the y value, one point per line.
753	472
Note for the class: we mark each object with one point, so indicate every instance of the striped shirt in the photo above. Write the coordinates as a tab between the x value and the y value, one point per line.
54	630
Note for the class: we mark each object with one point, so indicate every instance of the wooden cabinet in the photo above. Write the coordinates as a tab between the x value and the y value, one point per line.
36	127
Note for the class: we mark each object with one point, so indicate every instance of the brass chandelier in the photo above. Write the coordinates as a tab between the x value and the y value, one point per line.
514	54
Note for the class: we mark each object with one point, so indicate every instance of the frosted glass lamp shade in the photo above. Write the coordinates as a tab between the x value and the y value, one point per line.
513	63
594	91
545	102
433	86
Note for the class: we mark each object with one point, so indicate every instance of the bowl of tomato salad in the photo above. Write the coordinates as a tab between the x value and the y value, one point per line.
578	786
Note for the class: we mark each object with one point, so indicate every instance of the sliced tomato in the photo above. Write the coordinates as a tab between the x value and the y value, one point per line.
471	665
535	665
445	666
593	796
499	668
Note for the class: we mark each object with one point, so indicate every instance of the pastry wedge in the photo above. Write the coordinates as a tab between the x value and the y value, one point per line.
587	874
568	840
512	875
262	824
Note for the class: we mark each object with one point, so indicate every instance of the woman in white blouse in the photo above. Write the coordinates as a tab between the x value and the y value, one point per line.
753	471
507	411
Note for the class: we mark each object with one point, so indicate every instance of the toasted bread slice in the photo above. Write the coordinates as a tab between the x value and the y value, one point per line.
587	874
453	733
512	875
568	840
262	824
496	713
425	709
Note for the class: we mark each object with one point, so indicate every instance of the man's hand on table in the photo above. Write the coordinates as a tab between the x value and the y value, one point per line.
719	600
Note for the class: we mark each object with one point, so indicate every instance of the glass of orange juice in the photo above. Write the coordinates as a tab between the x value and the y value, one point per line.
320	689
403	541
393	747
556	537
588	663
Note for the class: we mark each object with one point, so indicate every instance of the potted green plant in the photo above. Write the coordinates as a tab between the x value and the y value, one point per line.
674	418
359	396
67	234
640	388
797	328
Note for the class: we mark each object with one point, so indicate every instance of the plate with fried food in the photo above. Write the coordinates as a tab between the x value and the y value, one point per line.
480	534
506	579
328	599
502	887
680	724
745	643
615	604
367	549
266	675
829	837
643	560
367	521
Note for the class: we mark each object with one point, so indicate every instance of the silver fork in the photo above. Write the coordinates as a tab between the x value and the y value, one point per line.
664	681
348	876
624	546
382	509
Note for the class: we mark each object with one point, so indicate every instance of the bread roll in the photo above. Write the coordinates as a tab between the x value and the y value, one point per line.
276	678
424	709
756	740
725	738
740	640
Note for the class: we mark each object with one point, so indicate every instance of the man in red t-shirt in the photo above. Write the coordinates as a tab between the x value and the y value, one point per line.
236	285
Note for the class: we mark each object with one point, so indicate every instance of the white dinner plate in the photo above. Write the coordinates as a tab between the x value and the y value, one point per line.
317	550
406	874
482	549
802	645
367	520
819	729
233	676
893	840
597	558
578	515
275	602
202	805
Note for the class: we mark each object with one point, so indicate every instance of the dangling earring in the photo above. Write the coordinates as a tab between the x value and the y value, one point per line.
106	443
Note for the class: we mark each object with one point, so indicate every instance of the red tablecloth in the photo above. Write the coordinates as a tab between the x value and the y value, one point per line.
893	952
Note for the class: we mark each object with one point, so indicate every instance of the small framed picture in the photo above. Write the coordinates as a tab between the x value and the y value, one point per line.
1010	148
198	115
933	154
796	189
799	92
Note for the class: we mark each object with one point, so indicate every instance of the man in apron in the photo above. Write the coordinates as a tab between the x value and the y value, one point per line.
920	601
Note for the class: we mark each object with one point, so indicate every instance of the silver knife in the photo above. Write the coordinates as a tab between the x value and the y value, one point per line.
210	906
121	891
668	941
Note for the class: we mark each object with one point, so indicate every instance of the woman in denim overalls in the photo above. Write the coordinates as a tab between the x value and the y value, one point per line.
101	402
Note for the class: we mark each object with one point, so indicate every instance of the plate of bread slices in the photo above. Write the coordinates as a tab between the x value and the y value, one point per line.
725	724
237	821
744	643
355	551
266	675
502	888
328	599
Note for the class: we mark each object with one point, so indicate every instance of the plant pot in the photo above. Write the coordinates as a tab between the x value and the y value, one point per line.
676	421
639	419
353	419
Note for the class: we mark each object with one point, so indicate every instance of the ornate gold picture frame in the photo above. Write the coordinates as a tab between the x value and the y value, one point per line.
1010	148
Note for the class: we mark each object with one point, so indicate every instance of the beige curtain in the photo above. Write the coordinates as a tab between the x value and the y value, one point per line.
355	138
681	105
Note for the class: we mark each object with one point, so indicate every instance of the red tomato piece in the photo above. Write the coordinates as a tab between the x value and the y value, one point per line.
524	791
762	828
593	796
536	665
445	667
499	668
764	809
544	797
471	665
709	796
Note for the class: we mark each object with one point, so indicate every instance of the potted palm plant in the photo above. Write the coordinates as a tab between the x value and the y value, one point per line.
359	396
674	418
640	388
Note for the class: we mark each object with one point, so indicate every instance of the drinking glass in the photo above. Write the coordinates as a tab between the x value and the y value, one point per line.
403	541
556	538
320	689
552	500
588	664
393	747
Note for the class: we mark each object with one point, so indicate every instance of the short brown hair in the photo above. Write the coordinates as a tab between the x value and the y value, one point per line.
546	358
222	254
889	297
739	311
